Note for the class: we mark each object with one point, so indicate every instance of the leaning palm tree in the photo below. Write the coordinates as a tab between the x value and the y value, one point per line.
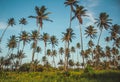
11	22
71	3
79	13
12	44
103	23
22	21
41	16
45	37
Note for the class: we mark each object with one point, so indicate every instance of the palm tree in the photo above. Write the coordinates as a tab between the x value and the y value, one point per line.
1	62
44	59
24	36
41	16
11	22
38	50
90	32
71	3
22	21
78	47
49	52
20	55
71	63
61	51
115	35
103	23
73	51
12	44
34	36
45	37
53	42
107	52
68	36
54	53
117	42
79	13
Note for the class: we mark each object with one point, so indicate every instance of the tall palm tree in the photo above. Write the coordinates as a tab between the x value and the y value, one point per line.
78	48
90	32
11	22
41	16
61	51
38	50
20	55
53	42
108	53
45	37
25	37
71	3
79	13
73	51
103	23
67	37
115	35
22	21
49	52
54	53
34	36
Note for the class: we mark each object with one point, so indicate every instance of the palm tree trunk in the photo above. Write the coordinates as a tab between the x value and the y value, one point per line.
45	49
3	33
81	44
65	57
70	17
99	37
18	45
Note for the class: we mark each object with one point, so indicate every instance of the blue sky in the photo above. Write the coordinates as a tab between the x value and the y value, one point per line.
60	15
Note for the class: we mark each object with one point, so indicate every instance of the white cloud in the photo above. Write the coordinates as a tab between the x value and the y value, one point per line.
2	25
90	3
91	16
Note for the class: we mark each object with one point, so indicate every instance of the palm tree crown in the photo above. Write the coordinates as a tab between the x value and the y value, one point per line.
90	31
79	12
41	15
103	21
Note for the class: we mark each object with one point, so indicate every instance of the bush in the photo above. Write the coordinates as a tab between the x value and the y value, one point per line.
88	72
66	73
25	67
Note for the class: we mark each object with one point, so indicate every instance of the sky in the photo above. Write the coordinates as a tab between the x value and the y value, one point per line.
60	16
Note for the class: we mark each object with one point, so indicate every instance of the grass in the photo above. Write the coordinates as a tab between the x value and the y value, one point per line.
98	76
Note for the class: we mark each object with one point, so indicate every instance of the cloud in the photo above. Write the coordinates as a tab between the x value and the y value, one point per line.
2	25
91	16
90	3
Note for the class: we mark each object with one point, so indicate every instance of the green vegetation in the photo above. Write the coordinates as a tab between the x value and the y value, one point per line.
58	76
